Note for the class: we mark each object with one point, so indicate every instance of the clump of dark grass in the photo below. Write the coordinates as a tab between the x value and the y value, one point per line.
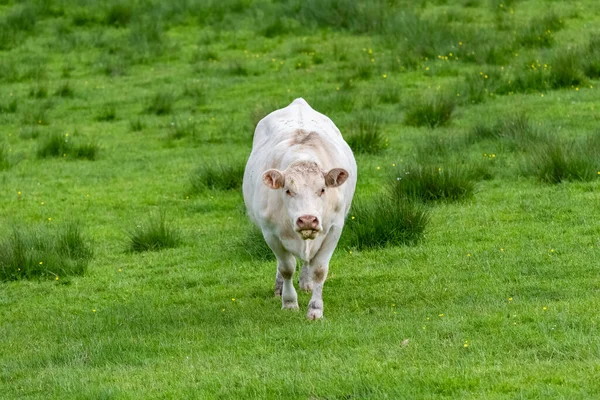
516	131
114	66
10	107
14	26
59	145
64	90
136	125
555	161
540	32
29	132
220	175
153	235
591	58
43	252
161	103
433	112
428	183
236	68
108	112
4	159
478	86
179	130
253	244
87	151
389	94
38	91
365	137
567	70
54	145
119	15
385	221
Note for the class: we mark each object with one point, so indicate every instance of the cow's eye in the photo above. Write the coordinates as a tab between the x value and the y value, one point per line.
288	192
322	192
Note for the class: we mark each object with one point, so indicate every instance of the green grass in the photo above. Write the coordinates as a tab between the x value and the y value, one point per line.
219	175
557	161
491	296
43	252
153	234
365	135
432	182
434	112
387	220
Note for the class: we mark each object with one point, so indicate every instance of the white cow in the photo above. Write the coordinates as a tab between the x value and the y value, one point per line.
298	187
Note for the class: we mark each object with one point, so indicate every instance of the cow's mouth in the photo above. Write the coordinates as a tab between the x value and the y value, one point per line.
308	234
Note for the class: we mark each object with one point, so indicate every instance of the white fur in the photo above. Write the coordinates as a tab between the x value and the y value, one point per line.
277	146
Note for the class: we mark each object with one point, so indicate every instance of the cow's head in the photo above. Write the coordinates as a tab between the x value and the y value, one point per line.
304	188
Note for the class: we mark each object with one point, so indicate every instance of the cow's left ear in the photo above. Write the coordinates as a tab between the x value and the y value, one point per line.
335	177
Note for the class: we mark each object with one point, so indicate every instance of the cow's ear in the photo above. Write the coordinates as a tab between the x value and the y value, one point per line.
273	179
335	177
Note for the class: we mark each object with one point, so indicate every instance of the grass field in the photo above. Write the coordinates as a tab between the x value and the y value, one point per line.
468	268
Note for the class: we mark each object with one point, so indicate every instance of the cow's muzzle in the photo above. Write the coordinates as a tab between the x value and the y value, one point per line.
308	226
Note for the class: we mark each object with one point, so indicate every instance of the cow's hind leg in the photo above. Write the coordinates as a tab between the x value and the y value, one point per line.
278	283
305	282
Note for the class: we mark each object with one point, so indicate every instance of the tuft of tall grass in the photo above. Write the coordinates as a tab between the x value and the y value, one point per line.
567	70
38	91
4	159
515	131
153	235
136	125
220	175
237	68
43	252
591	58
64	90
365	136
54	145
59	145
119	14
87	151
389	94
432	183
436	147
10	107
557	160
108	112
434	112
161	103
385	221
540	31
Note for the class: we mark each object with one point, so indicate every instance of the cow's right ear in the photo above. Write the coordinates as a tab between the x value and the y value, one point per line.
273	179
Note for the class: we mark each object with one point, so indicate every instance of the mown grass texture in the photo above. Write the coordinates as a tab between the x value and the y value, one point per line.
490	296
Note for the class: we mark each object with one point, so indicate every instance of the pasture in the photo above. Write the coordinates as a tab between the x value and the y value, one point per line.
468	267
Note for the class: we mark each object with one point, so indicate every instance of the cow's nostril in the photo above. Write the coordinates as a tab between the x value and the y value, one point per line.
307	222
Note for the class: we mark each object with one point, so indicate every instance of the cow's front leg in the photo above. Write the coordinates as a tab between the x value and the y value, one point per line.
286	266
318	269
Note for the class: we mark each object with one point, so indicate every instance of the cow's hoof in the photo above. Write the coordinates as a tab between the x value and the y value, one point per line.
315	310
314	313
307	286
289	305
